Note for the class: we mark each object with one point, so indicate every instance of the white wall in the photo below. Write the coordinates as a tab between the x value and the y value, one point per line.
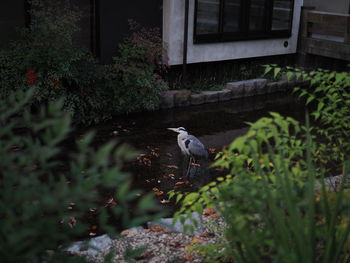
336	6
173	26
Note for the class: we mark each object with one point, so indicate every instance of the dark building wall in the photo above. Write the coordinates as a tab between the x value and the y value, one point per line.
12	16
113	21
84	36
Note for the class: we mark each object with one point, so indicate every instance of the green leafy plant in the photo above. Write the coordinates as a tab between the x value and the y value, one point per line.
135	77
46	58
329	92
46	191
271	207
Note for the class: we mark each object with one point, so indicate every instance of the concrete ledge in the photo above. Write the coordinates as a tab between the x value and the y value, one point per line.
182	98
260	85
282	86
167	99
197	99
210	96
237	89
271	87
224	95
249	88
233	90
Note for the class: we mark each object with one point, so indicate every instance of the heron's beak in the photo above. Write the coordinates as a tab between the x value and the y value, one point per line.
172	129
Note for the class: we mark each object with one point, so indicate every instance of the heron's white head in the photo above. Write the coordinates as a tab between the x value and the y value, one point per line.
178	130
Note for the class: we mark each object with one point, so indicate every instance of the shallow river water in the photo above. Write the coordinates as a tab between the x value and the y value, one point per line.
160	167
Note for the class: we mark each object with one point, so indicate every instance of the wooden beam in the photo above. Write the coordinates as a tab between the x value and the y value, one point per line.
325	48
327	30
327	18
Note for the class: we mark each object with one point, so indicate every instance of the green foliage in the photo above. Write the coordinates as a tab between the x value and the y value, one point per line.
329	93
135	77
269	201
131	255
45	191
46	58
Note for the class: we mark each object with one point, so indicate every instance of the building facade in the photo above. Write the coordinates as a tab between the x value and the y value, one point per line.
216	29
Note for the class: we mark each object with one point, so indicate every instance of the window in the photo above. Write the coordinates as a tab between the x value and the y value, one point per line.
229	20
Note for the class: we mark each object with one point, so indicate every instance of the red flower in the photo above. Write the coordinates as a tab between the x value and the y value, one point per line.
143	90
31	78
55	81
85	91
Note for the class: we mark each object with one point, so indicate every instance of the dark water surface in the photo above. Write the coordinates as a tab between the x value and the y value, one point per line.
160	167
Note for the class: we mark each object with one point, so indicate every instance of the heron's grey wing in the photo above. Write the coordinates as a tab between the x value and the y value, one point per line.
196	147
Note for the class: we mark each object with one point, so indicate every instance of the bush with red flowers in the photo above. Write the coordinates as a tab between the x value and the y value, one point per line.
46	58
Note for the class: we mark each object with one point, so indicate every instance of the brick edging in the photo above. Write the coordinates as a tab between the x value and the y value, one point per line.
233	90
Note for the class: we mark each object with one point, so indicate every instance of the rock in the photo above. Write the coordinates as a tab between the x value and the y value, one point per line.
249	87
92	247
225	95
195	222
237	89
167	100
333	182
197	99
182	98
260	85
210	96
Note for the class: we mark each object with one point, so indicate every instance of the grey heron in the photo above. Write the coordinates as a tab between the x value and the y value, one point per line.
190	146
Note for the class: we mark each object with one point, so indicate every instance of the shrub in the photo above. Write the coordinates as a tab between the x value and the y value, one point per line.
135	77
272	209
329	91
45	191
46	59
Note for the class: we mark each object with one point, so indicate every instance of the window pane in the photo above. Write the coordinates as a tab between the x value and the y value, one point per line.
256	16
281	17
208	16
231	15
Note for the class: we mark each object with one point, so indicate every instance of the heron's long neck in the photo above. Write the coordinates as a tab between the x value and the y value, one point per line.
182	135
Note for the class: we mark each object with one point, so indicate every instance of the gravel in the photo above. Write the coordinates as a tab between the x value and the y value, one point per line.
159	243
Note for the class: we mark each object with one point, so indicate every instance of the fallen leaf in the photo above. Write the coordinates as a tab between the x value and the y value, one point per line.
169	154
125	232
155	154
197	240
214	215
179	183
206	234
158	228
164	201
72	221
171	244
157	191
208	211
188	256
15	148
172	166
111	203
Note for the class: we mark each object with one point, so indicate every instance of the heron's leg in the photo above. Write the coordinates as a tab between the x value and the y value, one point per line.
189	166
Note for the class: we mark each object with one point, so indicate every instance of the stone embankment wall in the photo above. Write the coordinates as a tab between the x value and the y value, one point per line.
233	90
